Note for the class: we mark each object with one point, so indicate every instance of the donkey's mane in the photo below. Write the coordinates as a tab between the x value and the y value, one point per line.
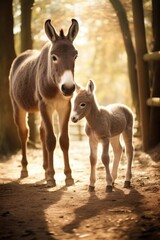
61	33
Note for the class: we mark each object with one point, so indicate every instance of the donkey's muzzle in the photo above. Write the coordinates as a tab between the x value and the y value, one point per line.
67	91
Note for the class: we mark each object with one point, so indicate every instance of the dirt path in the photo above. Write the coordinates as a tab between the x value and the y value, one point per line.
30	211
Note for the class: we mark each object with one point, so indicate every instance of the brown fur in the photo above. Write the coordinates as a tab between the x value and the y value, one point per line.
105	125
43	81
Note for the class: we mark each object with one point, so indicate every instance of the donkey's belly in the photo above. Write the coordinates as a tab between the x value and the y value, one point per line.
24	94
26	100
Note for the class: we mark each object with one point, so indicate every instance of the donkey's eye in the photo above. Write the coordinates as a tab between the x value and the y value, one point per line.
54	58
82	105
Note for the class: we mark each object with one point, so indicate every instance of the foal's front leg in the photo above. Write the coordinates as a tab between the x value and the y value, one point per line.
105	160
93	160
50	142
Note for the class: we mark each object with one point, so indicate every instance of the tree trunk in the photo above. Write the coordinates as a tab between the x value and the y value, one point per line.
155	111
8	134
122	18
142	69
26	33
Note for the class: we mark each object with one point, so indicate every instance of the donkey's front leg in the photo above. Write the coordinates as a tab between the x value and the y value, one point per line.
64	142
50	142
105	160
93	160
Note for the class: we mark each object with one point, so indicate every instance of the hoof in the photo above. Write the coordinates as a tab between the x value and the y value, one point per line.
127	184
109	188
24	174
69	182
91	189
51	183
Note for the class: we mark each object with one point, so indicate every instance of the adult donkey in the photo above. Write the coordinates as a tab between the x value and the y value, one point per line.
44	81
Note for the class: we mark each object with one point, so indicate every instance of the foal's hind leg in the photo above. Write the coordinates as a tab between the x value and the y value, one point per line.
117	149
127	136
20	121
105	160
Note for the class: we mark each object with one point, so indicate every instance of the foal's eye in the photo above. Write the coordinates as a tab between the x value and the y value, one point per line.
82	105
54	58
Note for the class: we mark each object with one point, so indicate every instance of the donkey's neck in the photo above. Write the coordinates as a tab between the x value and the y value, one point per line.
93	114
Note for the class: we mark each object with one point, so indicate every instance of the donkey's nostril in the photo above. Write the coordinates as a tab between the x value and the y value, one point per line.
68	90
63	88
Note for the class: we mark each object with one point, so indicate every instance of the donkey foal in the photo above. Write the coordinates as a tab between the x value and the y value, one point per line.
105	125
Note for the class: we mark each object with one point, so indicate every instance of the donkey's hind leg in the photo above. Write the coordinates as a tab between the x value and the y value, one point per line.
45	157
117	150
127	136
20	121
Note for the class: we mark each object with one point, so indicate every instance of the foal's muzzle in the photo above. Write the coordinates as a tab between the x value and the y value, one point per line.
74	119
74	116
67	91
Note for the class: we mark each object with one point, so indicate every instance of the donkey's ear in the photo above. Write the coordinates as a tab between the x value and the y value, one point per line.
73	30
50	32
90	87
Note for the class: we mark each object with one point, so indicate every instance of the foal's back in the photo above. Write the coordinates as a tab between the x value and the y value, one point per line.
120	118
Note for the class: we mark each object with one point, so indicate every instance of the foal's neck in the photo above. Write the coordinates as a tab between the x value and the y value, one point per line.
93	113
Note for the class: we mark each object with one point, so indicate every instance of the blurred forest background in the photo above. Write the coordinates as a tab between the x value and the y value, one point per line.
105	45
102	56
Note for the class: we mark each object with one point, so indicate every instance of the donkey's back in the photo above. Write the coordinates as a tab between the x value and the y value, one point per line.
23	80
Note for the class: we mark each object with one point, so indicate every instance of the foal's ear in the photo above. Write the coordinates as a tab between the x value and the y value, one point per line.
78	87
73	30
90	86
50	32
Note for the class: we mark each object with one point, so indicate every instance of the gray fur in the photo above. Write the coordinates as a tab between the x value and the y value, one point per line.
105	125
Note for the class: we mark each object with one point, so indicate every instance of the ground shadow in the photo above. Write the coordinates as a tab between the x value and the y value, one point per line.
21	206
95	206
115	203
